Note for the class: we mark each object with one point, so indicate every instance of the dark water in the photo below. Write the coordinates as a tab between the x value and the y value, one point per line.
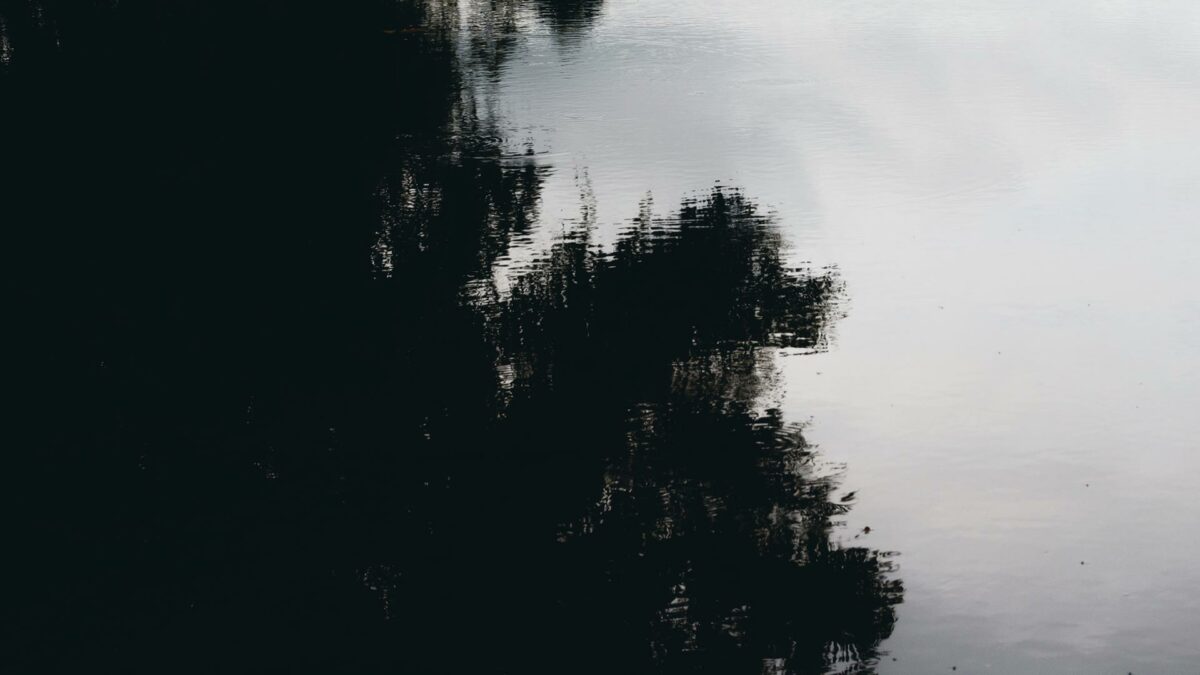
423	336
287	420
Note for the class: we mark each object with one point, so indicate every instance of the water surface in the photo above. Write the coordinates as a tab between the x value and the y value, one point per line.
653	336
1009	191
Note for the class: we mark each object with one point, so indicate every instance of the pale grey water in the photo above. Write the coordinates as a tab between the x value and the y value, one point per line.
1009	190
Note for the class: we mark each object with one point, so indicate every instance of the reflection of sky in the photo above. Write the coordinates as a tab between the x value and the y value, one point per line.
1011	191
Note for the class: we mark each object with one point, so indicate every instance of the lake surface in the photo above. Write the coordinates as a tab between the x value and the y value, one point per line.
599	336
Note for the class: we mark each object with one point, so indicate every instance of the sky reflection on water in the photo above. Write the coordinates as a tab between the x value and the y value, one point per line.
1009	191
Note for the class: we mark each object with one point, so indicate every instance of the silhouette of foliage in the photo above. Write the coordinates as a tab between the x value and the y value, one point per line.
279	417
711	523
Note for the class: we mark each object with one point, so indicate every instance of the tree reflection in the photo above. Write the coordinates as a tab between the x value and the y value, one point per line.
570	19
706	545
290	417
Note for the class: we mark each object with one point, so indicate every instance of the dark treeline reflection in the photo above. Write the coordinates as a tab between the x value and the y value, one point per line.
707	534
285	415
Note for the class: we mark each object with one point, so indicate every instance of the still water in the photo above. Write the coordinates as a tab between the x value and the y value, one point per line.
777	336
1009	190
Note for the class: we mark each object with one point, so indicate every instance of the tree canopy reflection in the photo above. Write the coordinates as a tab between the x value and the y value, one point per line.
292	422
709	524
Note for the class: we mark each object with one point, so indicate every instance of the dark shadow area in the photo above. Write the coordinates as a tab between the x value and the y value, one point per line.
277	415
641	378
570	19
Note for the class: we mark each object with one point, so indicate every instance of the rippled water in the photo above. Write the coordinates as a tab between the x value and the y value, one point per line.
602	335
